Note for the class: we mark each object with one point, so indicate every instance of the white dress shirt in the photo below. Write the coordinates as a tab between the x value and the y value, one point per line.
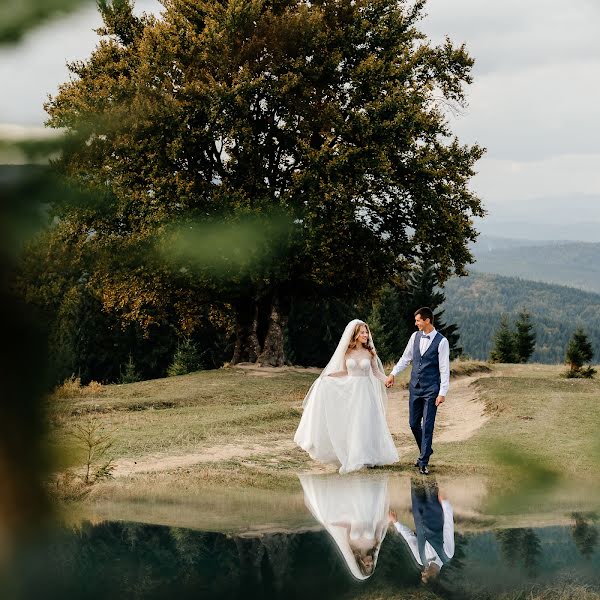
443	357
430	554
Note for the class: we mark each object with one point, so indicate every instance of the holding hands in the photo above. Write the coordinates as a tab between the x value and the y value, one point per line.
389	382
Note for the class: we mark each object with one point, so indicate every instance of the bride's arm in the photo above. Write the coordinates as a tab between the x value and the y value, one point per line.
375	368
338	374
342	373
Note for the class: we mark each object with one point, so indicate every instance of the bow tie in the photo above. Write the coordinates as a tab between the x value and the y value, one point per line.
425	337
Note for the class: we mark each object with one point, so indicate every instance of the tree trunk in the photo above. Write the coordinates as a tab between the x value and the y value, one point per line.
273	354
246	347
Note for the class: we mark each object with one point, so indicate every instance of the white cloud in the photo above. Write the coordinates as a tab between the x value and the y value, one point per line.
544	111
509	183
37	65
535	102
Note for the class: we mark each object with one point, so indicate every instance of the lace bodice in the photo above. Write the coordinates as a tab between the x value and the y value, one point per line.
358	367
363	366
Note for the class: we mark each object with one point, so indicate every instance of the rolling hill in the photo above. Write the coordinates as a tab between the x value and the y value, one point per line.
576	264
477	302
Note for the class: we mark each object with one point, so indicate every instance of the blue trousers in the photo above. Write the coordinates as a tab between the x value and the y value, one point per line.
421	418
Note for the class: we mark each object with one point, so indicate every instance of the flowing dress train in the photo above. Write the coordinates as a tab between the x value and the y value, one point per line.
344	419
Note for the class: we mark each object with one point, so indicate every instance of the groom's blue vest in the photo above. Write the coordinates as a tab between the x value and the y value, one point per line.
425	375
428	515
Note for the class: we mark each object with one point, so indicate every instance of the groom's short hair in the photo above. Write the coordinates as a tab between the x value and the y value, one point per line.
426	313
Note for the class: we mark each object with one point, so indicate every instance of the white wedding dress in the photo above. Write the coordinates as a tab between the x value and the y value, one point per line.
353	510
344	415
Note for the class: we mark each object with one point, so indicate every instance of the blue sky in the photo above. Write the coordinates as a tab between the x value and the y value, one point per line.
535	102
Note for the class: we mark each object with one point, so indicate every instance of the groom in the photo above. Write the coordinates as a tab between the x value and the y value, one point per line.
429	352
432	544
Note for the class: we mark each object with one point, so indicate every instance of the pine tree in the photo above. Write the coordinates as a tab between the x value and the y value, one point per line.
130	374
388	323
392	319
524	337
422	291
504	350
185	360
579	352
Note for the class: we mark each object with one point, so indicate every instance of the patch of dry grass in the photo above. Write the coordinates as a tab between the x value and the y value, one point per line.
182	414
541	441
534	411
466	368
72	388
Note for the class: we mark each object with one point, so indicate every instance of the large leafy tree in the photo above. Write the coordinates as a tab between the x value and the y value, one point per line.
328	114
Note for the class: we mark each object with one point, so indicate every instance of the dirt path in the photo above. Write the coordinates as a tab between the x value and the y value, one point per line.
460	416
152	463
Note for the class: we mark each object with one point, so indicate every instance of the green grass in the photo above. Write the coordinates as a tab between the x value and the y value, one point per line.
182	414
541	443
538	414
542	430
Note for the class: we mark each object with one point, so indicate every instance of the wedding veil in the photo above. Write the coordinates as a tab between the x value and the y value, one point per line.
337	363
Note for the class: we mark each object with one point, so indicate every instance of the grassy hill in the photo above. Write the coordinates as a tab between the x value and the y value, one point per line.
477	302
236	427
576	264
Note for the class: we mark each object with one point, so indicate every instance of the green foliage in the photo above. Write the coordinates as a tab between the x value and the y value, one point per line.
477	302
504	350
96	443
330	116
315	326
391	323
89	334
186	359
579	352
582	373
129	374
524	337
520	546
392	318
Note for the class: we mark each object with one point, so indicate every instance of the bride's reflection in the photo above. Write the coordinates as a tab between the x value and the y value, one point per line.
432	543
354	511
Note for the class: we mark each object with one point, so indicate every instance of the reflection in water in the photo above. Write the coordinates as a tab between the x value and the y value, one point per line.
520	547
354	511
432	543
111	560
584	535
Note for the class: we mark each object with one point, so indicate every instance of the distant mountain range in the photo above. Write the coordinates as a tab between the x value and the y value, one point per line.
575	264
573	217
477	302
583	231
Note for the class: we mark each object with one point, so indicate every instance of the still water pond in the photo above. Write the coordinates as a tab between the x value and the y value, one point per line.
363	536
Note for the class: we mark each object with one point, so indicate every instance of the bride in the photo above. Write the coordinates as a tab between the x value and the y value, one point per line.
344	411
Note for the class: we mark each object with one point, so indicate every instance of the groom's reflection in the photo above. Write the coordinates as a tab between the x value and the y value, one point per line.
432	543
354	511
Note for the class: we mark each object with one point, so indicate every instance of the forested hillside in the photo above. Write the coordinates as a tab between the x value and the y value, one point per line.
477	302
575	264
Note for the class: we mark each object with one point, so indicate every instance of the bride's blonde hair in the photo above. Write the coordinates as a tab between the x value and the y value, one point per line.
354	341
365	568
